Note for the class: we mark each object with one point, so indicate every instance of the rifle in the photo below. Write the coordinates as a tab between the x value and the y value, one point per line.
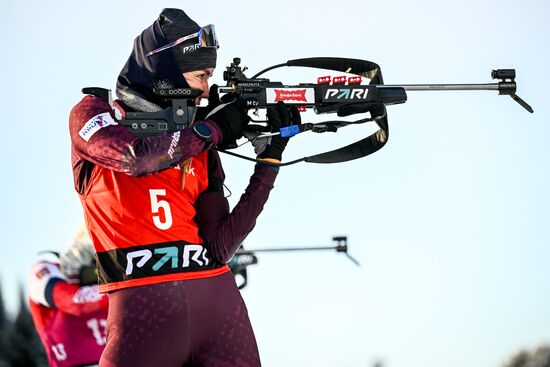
244	258
344	96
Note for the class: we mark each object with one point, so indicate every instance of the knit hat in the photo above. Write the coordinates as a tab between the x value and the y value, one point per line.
141	75
176	24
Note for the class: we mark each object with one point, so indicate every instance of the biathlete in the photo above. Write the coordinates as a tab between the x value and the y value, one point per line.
162	228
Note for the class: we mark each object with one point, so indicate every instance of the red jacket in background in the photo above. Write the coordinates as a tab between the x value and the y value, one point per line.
69	319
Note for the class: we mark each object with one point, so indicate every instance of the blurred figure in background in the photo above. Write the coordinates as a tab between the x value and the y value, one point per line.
68	311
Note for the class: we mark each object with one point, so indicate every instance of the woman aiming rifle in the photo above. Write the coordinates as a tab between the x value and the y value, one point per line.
156	211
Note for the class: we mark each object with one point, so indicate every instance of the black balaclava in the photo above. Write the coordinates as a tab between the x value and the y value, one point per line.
142	74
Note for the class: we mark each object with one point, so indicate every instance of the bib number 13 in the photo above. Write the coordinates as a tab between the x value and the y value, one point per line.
160	209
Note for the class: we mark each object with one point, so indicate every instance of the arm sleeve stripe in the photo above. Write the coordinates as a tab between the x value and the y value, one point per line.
48	292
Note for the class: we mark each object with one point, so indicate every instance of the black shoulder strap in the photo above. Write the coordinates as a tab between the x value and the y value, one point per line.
359	149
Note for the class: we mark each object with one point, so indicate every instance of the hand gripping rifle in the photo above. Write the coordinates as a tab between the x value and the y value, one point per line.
244	258
343	96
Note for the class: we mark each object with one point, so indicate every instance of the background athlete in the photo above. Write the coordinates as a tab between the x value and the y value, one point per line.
69	316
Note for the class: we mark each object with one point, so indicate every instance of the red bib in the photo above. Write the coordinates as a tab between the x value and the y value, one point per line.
140	226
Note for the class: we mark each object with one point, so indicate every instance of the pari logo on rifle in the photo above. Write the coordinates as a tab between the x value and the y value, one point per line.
347	94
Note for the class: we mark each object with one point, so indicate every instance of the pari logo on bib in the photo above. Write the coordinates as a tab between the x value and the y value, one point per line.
95	124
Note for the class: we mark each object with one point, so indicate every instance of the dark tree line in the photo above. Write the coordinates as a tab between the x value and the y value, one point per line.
20	345
539	357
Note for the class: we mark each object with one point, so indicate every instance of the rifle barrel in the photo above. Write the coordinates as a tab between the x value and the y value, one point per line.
287	249
428	87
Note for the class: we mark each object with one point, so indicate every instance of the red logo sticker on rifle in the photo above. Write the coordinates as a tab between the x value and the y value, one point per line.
290	95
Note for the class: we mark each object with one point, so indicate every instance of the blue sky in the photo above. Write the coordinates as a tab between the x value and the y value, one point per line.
449	220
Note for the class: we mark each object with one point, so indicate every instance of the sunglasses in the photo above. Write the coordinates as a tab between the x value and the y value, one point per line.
206	38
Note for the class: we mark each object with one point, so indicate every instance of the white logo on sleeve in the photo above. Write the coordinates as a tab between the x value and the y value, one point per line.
95	124
87	294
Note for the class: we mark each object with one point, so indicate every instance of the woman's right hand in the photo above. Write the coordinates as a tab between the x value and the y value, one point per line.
231	118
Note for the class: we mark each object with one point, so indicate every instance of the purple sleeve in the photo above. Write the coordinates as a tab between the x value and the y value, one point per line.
224	231
113	146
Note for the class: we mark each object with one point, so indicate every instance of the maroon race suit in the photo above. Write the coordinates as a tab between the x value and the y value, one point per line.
69	319
162	250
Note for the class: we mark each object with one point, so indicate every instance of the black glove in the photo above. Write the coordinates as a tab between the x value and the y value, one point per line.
279	116
231	117
213	102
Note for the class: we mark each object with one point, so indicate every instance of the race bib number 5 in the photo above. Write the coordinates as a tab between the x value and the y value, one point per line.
162	216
